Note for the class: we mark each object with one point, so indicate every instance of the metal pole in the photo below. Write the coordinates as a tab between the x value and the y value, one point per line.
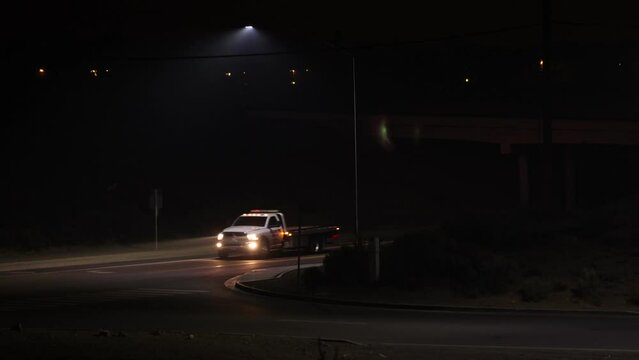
546	111
355	153
299	242
156	205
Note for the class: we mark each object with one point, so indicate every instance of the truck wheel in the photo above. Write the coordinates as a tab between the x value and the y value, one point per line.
265	249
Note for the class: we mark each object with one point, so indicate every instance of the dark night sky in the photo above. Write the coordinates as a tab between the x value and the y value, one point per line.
88	22
82	147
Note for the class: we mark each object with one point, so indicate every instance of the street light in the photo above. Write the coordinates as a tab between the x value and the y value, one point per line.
354	140
249	29
355	152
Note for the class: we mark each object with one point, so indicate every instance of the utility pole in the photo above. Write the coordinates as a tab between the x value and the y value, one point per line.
355	152
546	65
155	203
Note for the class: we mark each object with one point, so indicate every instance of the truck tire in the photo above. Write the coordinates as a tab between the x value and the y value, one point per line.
265	249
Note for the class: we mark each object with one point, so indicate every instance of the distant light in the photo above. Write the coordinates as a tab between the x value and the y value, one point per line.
384	136
619	64
467	80
41	70
292	71
228	74
107	70
307	69
248	27
293	82
94	72
541	64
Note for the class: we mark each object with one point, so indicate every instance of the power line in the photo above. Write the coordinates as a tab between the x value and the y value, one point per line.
340	48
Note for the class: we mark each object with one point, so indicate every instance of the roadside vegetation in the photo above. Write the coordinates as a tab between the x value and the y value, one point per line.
587	260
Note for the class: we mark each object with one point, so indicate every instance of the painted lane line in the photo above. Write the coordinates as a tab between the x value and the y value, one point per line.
61	301
136	294
83	299
26	302
127	296
521	348
148	264
186	291
202	259
100	272
323	322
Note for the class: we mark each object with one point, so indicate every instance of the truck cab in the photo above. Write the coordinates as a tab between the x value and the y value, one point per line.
257	232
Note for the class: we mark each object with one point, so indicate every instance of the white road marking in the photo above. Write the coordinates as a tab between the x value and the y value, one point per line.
230	263
186	291
130	294
97	297
523	348
146	264
100	272
324	322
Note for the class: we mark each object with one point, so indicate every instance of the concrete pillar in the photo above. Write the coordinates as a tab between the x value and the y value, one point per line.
373	251
569	179
524	187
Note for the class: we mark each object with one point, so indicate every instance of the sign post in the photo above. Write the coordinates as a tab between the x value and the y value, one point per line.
299	242
156	205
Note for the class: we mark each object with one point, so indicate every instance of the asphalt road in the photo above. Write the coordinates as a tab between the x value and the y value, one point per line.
190	295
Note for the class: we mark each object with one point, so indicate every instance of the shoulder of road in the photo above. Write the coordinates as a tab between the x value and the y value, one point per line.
78	257
272	282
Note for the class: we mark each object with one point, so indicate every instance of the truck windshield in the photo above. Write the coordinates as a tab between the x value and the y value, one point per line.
250	221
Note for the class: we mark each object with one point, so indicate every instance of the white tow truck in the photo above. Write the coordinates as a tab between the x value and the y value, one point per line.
260	232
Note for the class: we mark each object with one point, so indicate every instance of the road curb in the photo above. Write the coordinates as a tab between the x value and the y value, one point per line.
443	308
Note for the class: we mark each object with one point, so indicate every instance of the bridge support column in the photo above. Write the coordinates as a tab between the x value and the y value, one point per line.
569	179
524	187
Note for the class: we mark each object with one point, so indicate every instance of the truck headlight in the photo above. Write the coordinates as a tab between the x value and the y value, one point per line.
252	237
252	245
220	236
218	245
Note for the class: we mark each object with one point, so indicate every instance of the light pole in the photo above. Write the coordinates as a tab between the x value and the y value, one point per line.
249	28
355	153
357	239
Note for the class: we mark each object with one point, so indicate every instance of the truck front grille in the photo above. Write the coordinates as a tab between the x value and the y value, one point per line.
233	234
233	238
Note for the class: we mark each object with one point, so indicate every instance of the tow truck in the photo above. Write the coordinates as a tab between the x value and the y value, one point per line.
261	232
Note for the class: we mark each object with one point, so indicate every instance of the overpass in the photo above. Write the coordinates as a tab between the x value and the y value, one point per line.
503	131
